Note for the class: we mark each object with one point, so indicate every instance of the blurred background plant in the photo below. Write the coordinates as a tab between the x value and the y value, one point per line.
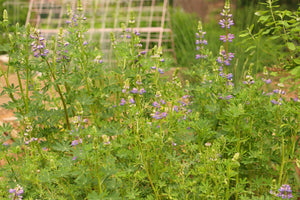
17	11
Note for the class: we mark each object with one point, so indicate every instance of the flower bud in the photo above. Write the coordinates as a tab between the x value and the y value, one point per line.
200	26
5	16
227	4
79	7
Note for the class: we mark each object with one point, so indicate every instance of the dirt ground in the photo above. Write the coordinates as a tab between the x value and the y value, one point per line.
203	8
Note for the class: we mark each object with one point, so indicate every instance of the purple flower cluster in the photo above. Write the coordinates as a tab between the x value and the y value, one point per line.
277	91
285	192
226	22
98	60
62	53
228	97
225	58
268	81
153	69
16	193
273	101
229	37
200	42
39	45
249	80
158	115
134	91
158	107
74	20
76	142
123	101
31	140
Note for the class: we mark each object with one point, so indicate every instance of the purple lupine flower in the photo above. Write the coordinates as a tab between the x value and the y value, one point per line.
230	37
74	142
227	62
155	104
219	60
229	76
134	91
230	23
276	91
156	115
124	91
222	74
128	36
16	192
296	99
162	101
230	56
136	33
229	97
175	108
142	91
223	38
164	114
273	101
74	158
198	56
143	52
162	60
85	43
285	192
122	102
222	23
132	101
229	83
160	71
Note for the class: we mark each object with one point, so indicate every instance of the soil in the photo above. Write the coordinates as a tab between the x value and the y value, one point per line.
203	8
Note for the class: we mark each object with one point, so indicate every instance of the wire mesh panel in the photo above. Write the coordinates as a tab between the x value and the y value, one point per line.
105	16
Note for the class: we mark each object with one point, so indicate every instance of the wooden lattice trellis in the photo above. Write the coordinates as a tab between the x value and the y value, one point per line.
106	16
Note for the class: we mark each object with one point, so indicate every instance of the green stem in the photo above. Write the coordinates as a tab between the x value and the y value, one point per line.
282	161
60	94
11	168
145	162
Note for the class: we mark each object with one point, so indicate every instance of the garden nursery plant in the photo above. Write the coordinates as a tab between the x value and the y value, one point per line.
89	130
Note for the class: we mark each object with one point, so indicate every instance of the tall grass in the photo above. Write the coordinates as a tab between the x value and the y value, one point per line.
184	26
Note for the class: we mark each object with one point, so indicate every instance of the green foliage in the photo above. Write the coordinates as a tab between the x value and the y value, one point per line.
280	28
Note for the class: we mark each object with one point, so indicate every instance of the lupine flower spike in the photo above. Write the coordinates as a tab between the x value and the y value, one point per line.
200	42
285	192
226	23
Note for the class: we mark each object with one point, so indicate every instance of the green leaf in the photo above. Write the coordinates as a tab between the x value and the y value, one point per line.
251	27
263	19
244	35
296	71
291	46
260	13
297	60
62	147
249	48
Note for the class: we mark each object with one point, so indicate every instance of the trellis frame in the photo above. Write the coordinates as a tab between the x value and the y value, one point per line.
152	19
